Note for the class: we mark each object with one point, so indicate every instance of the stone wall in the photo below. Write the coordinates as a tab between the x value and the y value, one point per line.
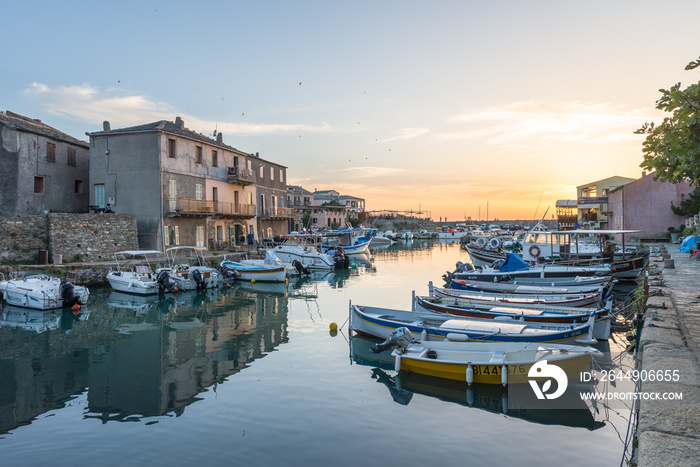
91	237
75	237
23	237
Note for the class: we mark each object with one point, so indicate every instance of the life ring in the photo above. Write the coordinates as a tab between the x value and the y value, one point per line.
495	243
481	242
534	251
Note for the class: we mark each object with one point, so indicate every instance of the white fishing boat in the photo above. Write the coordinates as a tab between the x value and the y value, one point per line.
497	298
253	272
187	269
134	278
381	322
307	254
515	287
524	312
41	291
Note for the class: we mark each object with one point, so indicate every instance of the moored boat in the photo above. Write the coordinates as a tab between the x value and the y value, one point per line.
381	322
537	313
41	291
137	279
491	363
253	272
497	298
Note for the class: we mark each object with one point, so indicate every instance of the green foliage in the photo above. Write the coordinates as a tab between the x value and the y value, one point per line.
689	206
353	221
672	148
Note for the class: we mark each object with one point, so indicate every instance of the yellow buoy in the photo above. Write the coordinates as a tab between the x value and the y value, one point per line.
252	281
334	327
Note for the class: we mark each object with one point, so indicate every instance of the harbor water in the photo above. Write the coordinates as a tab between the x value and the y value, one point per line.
253	375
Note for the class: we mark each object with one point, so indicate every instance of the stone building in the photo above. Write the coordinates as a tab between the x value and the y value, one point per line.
43	169
185	188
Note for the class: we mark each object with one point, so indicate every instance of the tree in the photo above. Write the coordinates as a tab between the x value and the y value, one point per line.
690	205
672	148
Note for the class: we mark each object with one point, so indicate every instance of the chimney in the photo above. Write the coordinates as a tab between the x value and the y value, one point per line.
105	126
179	123
220	138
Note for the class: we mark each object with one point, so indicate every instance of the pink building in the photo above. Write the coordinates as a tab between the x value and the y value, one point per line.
645	205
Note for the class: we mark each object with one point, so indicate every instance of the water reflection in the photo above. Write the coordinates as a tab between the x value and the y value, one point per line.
136	357
490	397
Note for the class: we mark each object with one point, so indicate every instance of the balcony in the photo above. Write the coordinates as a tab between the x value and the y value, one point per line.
208	208
240	176
276	213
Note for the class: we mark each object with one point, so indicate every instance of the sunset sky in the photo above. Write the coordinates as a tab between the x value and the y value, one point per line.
440	106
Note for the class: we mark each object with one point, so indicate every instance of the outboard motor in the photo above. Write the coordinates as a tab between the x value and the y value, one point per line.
68	294
198	279
299	266
399	337
165	283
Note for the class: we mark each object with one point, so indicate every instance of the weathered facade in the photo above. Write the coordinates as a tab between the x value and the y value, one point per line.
645	205
183	187
43	169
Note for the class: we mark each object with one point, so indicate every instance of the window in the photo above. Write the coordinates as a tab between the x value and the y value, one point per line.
171	148
100	195
250	198
198	154
172	193
219	233
272	174
262	201
281	176
171	235
262	172
38	184
250	167
78	186
235	161
198	191
214	158
215	194
71	156
50	152
199	233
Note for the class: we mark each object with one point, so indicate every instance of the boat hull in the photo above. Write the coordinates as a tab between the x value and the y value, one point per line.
381	323
454	365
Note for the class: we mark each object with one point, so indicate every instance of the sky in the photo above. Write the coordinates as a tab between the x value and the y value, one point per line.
458	109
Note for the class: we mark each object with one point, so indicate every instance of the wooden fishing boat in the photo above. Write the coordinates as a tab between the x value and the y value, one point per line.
517	287
491	363
381	322
534	312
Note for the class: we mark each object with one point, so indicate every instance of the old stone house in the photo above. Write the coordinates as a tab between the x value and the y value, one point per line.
43	169
185	188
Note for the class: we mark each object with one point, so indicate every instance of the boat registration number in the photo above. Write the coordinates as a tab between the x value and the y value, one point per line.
496	369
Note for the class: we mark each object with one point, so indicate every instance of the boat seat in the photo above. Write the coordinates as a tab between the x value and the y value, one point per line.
142	270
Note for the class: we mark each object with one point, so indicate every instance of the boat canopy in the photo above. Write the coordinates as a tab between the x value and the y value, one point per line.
513	263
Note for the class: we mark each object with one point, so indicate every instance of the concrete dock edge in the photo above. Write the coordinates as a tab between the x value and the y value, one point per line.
668	431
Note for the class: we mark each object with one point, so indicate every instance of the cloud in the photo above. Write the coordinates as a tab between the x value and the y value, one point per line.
122	109
371	172
533	124
407	133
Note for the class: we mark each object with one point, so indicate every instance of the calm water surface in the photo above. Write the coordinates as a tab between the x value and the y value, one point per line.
251	375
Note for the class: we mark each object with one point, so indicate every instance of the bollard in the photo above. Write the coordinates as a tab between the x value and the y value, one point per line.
669	264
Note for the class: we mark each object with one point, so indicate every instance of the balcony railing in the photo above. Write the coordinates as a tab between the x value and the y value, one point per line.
203	207
276	213
241	176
